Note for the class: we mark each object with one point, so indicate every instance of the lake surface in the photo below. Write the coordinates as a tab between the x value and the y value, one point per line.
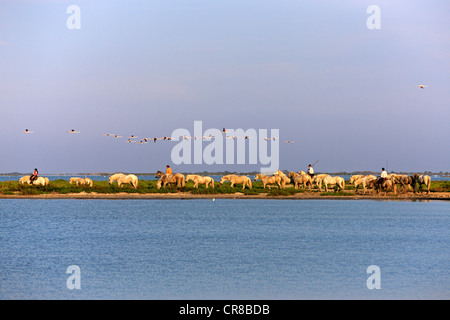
224	249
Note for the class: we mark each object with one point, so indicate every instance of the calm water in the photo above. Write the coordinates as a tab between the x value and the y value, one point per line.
224	249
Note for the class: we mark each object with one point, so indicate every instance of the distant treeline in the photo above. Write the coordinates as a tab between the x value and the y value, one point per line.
221	173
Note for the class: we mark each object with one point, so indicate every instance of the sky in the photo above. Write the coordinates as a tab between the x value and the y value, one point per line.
346	94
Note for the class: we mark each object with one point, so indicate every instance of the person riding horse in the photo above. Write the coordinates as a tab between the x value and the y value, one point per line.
34	175
310	171
382	178
383	175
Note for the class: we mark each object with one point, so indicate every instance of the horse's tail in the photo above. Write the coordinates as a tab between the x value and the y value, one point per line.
250	183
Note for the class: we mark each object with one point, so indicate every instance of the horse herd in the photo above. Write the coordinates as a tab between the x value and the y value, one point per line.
279	180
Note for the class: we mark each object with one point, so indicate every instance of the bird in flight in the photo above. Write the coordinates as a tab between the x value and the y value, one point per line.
73	131
422	86
289	141
27	131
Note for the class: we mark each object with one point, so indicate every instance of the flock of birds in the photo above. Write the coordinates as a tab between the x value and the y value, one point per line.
132	138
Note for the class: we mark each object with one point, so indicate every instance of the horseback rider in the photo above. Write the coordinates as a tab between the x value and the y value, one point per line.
310	171
383	175
34	175
168	170
381	178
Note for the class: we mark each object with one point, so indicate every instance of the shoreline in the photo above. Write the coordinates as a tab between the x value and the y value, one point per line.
237	195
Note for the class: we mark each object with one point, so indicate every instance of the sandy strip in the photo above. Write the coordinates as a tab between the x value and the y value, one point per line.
238	195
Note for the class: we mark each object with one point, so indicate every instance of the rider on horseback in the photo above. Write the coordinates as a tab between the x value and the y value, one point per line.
34	175
310	171
382	178
384	174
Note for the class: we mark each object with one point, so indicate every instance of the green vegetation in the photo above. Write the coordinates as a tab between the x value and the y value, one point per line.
61	186
338	193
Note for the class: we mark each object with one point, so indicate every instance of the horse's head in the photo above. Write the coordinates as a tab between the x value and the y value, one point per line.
257	177
223	179
158	174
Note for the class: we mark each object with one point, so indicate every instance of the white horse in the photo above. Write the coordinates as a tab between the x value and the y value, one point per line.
364	181
317	179
24	179
168	179
419	180
88	182
200	180
355	177
334	181
284	178
235	179
114	177
268	180
40	181
301	178
131	179
78	181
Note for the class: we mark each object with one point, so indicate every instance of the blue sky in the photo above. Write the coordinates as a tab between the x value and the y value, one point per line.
347	95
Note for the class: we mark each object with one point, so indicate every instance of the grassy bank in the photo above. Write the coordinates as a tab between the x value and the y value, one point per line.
60	186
